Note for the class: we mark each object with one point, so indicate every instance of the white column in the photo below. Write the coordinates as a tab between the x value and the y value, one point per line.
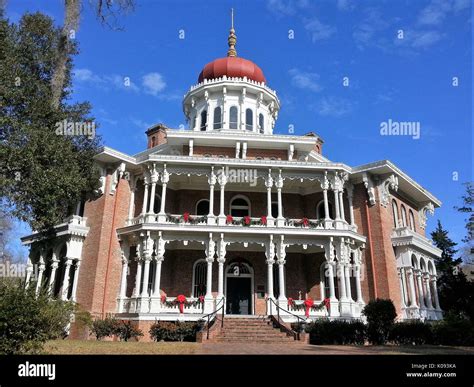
146	274
350	193
221	261
402	290
428	291
145	196
270	254
332	290
347	276
336	204
222	182
358	287
75	280
156	289
164	181
212	181
412	287
342	282
29	272
281	255
279	185
54	267
269	185
41	269
435	290
152	196
421	300
210	253
341	204
138	278
326	205
404	285
65	287
244	150
123	281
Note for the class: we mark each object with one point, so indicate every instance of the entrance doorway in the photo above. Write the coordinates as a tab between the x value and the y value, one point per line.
239	289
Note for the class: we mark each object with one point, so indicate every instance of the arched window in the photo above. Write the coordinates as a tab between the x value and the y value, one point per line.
202	207
240	206
395	213
199	278
320	212
412	220
217	118
249	119
404	216
157	204
203	120
261	123
233	118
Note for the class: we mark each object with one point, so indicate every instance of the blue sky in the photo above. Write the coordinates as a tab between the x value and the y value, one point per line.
400	58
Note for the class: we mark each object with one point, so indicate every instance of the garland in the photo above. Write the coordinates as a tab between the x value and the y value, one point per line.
309	305
181	301
305	222
186	218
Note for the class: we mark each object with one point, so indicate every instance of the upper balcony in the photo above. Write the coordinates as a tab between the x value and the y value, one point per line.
404	236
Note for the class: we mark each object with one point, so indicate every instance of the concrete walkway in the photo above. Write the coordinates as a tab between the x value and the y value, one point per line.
305	349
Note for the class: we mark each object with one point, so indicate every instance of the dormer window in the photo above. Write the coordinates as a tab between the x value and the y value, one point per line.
203	120
249	119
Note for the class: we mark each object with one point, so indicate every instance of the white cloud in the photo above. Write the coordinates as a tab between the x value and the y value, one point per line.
305	80
318	30
332	106
105	82
345	5
435	12
153	83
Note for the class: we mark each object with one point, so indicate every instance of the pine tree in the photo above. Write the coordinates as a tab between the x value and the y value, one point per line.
456	293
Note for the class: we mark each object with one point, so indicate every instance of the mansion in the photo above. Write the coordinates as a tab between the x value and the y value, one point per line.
228	216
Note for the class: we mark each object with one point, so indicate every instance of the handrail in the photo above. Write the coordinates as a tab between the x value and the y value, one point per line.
296	334
214	313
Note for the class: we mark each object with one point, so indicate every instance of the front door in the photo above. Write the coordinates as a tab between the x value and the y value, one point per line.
238	296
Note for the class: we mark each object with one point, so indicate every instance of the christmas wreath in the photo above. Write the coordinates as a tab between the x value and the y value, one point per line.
307	305
182	301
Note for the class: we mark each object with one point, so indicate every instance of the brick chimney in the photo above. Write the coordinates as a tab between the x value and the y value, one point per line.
156	135
318	145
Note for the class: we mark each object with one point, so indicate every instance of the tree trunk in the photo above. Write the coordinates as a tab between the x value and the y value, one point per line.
70	26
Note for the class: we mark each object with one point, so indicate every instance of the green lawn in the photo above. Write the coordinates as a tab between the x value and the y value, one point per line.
92	347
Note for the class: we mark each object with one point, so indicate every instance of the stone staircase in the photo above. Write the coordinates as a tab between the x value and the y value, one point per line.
251	330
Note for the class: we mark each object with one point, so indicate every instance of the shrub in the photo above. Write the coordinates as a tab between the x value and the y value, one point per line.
175	331
28	320
336	332
411	332
380	315
126	331
454	331
104	327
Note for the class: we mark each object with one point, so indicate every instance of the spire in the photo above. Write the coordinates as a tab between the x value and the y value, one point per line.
232	39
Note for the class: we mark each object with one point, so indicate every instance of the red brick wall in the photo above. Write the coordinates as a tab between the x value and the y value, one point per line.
99	276
383	266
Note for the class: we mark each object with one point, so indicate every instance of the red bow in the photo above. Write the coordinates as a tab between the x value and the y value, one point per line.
163	299
327	303
201	299
305	222
186	216
181	300
308	303
247	220
229	219
264	220
290	302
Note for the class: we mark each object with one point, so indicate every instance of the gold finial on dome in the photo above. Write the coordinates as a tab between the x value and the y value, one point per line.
232	39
